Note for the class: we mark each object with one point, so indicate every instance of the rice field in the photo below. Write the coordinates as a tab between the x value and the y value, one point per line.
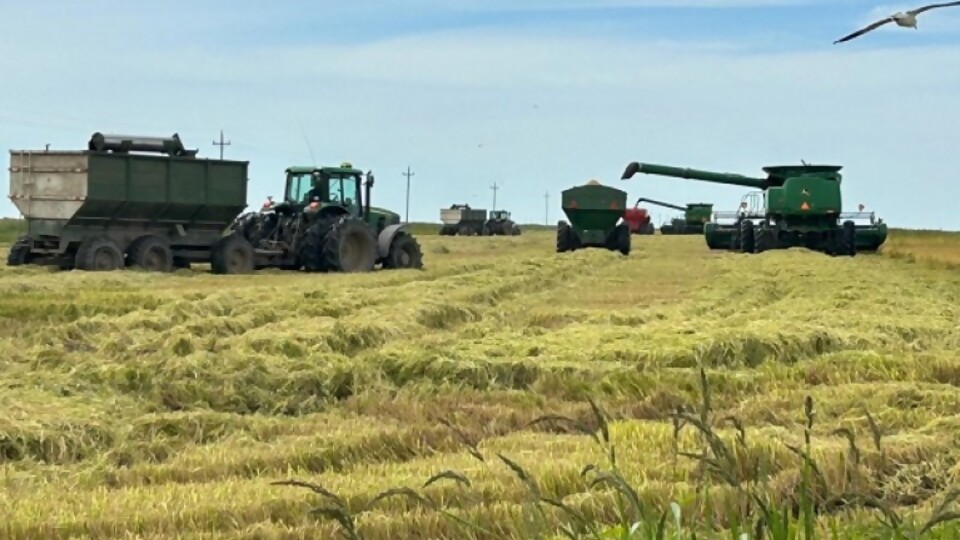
737	391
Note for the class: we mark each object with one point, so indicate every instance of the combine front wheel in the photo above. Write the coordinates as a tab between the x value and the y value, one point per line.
848	239
747	239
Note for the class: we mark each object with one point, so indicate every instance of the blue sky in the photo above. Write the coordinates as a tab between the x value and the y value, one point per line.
536	96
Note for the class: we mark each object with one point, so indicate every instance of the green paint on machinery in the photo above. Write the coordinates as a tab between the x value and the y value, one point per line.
802	208
593	211
104	207
695	215
151	203
326	223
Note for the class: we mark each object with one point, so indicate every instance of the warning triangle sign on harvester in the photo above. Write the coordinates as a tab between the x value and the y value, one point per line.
804	206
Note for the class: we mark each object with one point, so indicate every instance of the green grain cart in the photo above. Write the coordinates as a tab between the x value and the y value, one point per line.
103	208
802	208
594	211
462	220
695	215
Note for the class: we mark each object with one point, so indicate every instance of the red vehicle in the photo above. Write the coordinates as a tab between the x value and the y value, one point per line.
638	219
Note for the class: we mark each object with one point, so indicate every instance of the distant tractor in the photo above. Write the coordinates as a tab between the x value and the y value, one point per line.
325	224
695	215
500	224
594	211
802	208
462	220
638	219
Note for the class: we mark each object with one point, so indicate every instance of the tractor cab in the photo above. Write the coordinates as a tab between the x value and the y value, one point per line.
313	189
499	215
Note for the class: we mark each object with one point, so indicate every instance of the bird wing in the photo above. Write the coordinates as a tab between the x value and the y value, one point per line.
864	30
931	6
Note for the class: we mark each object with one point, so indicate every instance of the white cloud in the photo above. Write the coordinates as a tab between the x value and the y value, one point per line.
550	110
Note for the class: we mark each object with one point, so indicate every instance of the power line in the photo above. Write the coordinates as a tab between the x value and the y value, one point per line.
221	144
408	174
494	187
546	208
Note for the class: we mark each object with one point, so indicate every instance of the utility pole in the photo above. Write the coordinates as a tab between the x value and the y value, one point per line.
408	174
221	144
494	187
546	208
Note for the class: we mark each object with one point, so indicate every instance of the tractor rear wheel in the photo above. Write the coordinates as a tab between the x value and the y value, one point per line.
350	246
98	254
232	255
747	239
19	253
404	252
150	253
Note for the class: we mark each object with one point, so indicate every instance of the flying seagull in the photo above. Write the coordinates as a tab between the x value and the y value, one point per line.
906	20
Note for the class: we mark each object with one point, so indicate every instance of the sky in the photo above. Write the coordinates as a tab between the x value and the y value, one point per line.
533	96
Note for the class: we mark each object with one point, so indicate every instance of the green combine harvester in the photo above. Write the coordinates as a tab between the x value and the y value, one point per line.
148	202
802	208
594	211
695	216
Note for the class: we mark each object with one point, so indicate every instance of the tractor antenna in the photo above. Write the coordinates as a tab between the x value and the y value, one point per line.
306	140
805	164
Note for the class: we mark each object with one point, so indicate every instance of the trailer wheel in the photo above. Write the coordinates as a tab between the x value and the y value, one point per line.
404	252
19	253
622	236
98	254
150	253
232	255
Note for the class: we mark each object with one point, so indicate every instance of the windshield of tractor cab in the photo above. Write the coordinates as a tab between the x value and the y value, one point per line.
298	188
343	190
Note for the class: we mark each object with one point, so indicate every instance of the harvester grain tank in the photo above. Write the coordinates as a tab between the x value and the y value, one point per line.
638	219
802	208
593	211
462	220
500	224
695	215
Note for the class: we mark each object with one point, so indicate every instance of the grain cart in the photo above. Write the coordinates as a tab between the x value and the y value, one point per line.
638	219
501	224
802	208
694	217
326	223
462	220
593	210
105	207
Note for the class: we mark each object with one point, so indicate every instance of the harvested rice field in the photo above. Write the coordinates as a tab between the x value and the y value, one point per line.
149	406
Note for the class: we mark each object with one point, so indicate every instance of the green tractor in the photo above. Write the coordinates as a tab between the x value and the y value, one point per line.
326	224
500	224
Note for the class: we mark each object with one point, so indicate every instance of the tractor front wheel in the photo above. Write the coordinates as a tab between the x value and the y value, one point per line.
404	252
232	255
